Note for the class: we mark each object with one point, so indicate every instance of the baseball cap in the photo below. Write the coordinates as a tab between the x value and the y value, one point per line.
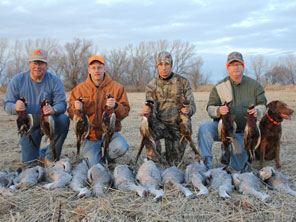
38	55
164	57
96	58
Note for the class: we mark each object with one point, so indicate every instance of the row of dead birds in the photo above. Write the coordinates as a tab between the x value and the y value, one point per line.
150	178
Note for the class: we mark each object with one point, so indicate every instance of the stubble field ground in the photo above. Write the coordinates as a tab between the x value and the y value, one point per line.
38	204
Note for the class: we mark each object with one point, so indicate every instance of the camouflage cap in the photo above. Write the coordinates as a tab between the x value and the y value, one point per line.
38	55
235	56
164	57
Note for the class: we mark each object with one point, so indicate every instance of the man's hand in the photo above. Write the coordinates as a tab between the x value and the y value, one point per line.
253	112
223	110
185	109
78	105
48	110
20	106
146	110
111	102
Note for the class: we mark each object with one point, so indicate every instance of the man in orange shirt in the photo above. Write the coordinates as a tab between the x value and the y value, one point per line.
93	92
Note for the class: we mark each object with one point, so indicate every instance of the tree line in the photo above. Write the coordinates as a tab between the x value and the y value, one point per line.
132	65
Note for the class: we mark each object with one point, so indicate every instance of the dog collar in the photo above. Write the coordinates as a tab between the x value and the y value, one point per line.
272	120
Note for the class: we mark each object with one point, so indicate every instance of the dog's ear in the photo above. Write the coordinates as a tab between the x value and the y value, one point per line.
272	106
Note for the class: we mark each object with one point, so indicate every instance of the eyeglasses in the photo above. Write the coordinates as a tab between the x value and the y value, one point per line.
97	68
38	63
235	64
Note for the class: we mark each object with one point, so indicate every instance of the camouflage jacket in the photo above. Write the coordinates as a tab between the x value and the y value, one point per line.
168	95
239	96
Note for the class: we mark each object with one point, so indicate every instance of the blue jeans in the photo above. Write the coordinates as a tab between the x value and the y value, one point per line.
92	150
31	153
207	134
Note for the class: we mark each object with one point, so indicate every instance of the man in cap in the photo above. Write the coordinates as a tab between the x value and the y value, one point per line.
35	86
94	91
168	91
239	92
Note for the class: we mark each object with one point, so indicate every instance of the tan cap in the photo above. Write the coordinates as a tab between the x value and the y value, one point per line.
38	55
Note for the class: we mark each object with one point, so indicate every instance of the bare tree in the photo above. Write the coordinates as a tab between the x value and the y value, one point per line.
139	72
194	73
18	61
46	43
258	67
4	51
73	62
117	64
55	64
278	74
182	53
290	64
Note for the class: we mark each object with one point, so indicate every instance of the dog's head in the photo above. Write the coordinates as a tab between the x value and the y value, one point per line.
266	172
280	109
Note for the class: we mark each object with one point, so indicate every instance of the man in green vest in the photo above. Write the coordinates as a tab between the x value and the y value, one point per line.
239	91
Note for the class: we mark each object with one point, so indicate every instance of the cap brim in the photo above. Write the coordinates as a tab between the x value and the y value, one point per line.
33	60
231	60
167	61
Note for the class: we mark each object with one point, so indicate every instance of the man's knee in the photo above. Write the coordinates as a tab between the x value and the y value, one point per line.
203	128
63	121
118	151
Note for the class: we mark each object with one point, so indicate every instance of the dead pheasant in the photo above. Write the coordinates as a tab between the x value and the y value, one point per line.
147	139
47	127
185	129
108	125
81	126
252	136
24	123
226	131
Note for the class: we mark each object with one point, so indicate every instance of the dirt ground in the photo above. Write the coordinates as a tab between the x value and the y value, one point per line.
38	204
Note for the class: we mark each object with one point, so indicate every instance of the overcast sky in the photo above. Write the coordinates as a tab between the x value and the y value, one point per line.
216	27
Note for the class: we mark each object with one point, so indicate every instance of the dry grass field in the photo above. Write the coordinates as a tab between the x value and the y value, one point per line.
38	204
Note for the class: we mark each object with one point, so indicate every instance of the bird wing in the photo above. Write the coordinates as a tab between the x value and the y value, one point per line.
220	126
75	120
31	122
88	127
112	122
51	126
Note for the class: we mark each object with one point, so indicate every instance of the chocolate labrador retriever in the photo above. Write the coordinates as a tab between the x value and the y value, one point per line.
271	131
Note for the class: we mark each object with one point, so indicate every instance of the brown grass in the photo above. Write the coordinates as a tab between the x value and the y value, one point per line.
38	204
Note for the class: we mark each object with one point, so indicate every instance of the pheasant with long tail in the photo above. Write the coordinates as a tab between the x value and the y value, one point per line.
226	132
81	126
252	136
24	122
48	127
108	125
185	129
146	133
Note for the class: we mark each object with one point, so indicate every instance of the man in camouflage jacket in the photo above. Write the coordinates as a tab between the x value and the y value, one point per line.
239	92
168	91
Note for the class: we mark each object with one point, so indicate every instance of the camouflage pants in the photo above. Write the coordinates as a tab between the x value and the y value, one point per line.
174	151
